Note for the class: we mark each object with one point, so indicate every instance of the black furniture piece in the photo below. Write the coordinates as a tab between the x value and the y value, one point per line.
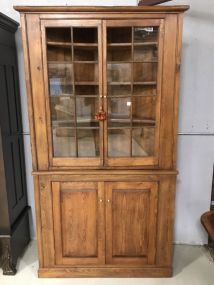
14	224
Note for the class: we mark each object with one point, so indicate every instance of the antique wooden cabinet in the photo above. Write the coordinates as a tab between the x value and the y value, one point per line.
103	88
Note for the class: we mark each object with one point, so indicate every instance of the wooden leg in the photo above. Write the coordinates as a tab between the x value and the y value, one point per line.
8	265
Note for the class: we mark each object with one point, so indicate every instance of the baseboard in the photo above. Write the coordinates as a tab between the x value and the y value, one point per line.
154	272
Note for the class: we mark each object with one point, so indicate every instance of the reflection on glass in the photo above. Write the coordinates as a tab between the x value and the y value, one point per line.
119	112
119	72
119	142
143	141
88	142
145	34
60	78
86	109
63	141
145	53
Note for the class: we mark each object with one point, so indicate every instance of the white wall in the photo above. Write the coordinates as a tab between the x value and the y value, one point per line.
196	124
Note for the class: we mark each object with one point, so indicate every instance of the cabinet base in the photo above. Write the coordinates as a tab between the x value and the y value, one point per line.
105	272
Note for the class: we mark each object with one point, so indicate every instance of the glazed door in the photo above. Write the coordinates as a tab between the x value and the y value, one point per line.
78	215
73	73
132	91
131	216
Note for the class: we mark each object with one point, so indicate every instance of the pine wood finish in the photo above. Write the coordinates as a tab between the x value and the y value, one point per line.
103	88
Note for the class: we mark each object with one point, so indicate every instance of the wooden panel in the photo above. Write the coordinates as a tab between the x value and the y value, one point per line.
44	198
166	209
168	93
131	222
78	226
37	89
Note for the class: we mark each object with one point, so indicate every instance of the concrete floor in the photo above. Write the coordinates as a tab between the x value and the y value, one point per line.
192	266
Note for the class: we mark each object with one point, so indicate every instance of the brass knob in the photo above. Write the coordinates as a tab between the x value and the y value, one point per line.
101	200
108	201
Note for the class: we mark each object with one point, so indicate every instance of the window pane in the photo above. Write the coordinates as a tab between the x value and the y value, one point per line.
119	142
88	142
143	141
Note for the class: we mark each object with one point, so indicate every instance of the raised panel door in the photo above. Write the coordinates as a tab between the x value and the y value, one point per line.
131	216
78	223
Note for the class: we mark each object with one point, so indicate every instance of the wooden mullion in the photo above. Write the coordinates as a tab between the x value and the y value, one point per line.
132	88
74	93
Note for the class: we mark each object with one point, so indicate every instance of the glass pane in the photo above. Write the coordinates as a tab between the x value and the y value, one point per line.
87	90
145	53
85	35
143	111
84	54
119	112
60	79
145	72
145	34
119	35
64	142
119	142
141	90
62	117
72	55
119	72
143	141
86	108
85	72
58	35
88	142
59	54
119	90
119	53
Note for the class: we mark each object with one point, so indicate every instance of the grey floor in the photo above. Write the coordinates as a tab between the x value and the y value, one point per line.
192	266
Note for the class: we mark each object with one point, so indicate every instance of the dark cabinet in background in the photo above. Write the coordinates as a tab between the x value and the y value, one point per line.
14	226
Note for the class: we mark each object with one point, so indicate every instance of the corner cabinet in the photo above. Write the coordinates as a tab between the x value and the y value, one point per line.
102	88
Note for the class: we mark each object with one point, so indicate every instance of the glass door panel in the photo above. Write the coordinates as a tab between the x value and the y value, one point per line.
132	54
74	68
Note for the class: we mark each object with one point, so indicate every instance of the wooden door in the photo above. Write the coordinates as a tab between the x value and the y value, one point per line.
131	216
132	87
72	56
78	213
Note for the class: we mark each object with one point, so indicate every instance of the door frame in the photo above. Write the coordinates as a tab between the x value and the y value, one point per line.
134	161
71	161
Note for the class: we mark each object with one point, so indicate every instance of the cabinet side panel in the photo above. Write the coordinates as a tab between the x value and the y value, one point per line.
166	206
28	88
37	89
168	93
177	83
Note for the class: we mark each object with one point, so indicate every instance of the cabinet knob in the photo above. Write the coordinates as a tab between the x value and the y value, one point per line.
108	201
101	200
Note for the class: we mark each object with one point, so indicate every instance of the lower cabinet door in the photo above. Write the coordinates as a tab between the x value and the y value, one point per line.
78	215
131	222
